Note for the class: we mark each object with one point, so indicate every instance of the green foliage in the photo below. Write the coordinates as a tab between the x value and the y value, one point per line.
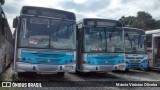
1	76
158	24
14	77
143	20
2	2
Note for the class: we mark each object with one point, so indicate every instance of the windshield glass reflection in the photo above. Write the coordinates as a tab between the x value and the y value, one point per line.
103	40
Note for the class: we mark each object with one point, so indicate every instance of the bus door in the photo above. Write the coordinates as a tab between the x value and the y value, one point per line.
156	51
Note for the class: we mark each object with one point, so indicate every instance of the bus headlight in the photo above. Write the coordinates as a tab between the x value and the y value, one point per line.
71	61
66	61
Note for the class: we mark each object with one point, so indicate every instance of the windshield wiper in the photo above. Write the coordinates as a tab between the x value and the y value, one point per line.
127	35
140	41
112	31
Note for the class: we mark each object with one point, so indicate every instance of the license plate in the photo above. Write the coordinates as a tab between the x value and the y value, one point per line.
121	66
68	67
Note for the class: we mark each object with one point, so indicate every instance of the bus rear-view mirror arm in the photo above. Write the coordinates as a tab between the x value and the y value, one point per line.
15	22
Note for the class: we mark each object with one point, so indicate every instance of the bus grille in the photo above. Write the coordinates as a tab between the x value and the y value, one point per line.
134	57
134	65
139	57
106	67
134	61
130	57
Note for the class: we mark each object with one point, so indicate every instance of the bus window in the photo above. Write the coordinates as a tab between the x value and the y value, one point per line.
149	41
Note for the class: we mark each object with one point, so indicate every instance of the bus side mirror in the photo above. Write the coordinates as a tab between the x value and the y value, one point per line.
15	22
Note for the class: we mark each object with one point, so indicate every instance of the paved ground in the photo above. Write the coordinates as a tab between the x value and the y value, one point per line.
138	75
81	79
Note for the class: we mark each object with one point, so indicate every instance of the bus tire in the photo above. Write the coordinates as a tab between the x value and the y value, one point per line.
61	74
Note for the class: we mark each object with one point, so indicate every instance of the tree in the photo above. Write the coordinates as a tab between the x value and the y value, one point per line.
143	20
127	21
2	2
157	24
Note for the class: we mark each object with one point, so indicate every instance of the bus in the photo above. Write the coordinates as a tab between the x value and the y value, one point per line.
135	48
100	45
153	48
45	41
6	42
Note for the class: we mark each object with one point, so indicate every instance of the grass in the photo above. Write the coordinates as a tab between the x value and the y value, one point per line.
2	76
14	77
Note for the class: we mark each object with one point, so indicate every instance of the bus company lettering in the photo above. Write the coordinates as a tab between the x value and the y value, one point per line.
34	85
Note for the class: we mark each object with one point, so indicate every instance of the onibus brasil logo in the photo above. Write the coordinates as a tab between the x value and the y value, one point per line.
19	84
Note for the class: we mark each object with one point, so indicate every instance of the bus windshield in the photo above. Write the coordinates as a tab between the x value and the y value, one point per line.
63	34
103	40
47	33
34	32
134	43
115	40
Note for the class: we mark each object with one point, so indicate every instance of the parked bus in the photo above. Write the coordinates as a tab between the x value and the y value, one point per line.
6	42
153	48
45	41
100	45
135	48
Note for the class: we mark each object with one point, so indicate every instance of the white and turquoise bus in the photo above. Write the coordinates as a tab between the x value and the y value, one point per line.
100	45
135	48
45	41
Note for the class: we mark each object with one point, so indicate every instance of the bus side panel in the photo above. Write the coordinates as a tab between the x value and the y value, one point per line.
6	53
45	61
96	62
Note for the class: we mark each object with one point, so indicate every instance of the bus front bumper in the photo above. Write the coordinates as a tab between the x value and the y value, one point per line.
136	65
44	68
103	68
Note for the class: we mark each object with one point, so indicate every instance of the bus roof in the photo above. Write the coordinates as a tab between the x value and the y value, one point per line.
48	12
153	31
133	28
100	22
138	31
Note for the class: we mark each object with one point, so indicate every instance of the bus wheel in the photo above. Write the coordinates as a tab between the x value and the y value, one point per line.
61	74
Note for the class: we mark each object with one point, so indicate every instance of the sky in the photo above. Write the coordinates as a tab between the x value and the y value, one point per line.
109	9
